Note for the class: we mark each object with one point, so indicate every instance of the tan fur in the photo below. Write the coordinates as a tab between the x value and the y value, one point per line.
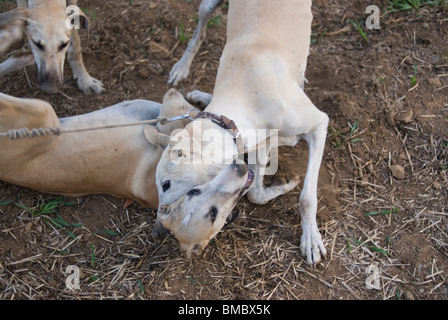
44	23
117	161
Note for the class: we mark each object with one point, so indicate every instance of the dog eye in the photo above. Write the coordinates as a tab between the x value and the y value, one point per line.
194	192
39	45
63	46
166	185
213	213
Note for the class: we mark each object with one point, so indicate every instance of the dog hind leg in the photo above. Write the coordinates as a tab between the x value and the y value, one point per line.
311	244
302	117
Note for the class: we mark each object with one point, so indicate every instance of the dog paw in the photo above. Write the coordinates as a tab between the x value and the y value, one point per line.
264	194
179	72
286	184
199	98
90	85
311	245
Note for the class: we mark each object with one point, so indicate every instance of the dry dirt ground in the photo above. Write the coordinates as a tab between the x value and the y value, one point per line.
385	230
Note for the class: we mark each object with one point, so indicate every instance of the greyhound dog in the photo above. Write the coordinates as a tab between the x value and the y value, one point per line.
259	87
45	24
119	161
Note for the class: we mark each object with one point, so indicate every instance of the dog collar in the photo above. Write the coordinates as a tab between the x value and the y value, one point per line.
226	124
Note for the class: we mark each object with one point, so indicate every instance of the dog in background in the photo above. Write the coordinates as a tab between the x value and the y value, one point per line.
44	23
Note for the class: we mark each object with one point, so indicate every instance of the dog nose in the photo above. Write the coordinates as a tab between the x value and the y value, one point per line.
49	85
239	167
49	88
158	231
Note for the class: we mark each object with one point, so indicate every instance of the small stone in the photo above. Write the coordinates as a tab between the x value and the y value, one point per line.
28	227
435	82
154	47
404	116
397	171
409	295
403	156
143	73
437	185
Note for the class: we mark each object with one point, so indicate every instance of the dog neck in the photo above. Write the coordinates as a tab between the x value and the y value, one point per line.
228	125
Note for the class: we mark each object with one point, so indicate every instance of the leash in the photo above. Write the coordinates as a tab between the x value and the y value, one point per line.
20	134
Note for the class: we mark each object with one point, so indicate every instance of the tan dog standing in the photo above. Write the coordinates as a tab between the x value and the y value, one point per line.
259	86
45	24
119	161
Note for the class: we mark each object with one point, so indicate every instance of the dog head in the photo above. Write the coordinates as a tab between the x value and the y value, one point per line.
202	212
49	39
173	105
185	163
193	154
196	176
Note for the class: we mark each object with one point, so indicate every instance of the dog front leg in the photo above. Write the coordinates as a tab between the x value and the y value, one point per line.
181	69
14	64
259	193
86	83
311	244
12	33
12	24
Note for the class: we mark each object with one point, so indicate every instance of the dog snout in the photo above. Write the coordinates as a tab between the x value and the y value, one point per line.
49	83
158	231
50	74
191	251
49	87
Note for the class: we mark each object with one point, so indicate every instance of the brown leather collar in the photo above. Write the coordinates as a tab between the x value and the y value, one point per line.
226	124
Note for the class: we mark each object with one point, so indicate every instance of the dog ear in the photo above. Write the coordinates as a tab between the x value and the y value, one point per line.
173	105
74	13
155	137
85	22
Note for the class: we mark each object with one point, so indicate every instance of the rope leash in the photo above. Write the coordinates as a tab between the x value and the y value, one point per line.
20	134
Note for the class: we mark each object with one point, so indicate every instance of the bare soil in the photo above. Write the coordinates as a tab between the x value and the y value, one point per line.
383	205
